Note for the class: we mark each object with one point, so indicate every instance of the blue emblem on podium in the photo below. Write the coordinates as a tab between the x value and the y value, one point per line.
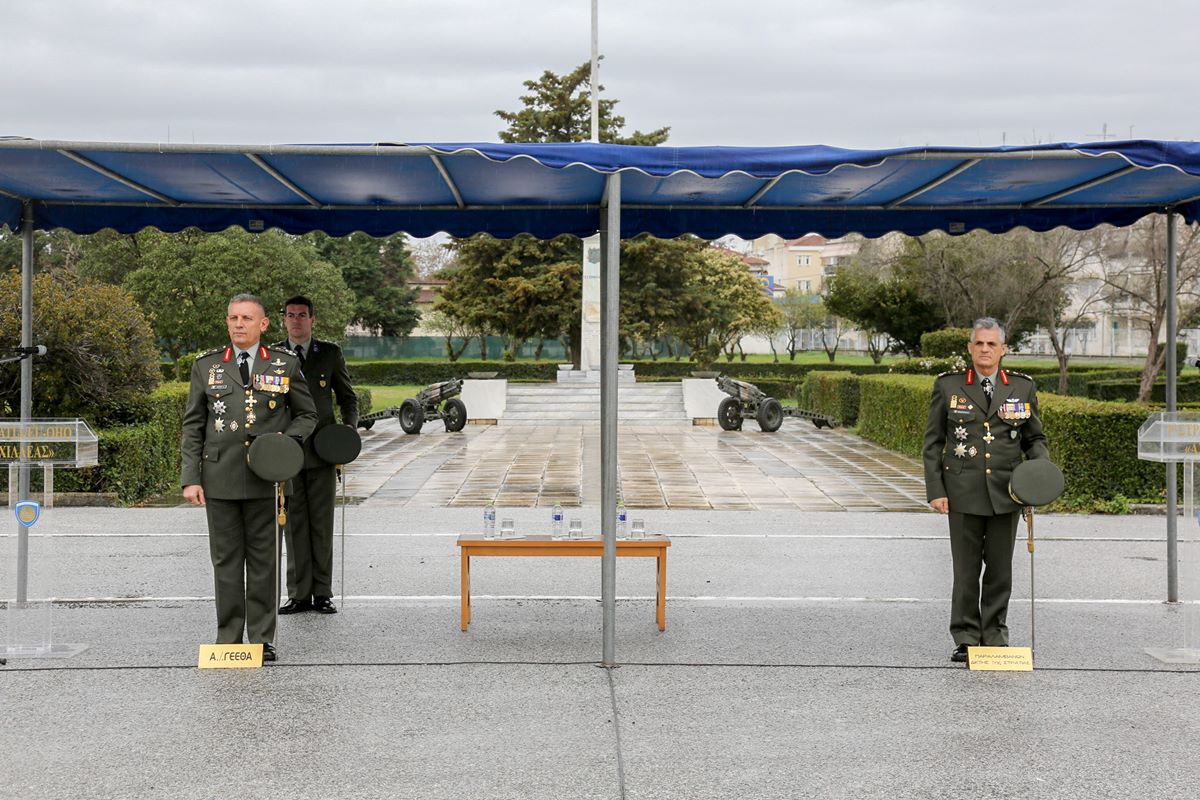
28	512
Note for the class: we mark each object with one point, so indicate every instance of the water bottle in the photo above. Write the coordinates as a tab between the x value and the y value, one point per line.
556	522
489	521
621	520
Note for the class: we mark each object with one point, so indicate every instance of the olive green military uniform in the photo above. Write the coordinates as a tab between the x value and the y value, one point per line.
222	417
971	447
311	504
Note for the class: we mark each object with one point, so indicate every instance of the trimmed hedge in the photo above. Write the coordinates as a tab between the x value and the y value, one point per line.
832	393
1187	390
1093	442
892	411
1079	380
138	460
1095	445
946	343
423	373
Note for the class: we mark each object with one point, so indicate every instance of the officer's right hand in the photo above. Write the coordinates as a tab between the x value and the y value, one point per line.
194	494
940	505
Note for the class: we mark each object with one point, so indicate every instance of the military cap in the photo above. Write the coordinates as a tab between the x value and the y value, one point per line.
275	457
1035	482
337	444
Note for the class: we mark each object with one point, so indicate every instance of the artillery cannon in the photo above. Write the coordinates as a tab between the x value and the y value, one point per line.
414	412
747	400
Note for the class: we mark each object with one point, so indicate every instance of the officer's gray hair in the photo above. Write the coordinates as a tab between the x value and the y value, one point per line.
246	297
988	324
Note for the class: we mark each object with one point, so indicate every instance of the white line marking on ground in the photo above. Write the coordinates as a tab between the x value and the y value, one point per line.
749	536
704	599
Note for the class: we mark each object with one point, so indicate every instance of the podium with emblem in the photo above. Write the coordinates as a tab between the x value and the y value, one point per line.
1173	437
29	560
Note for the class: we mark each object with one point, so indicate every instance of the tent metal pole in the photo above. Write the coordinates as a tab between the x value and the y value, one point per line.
610	288
26	391
1172	333
595	74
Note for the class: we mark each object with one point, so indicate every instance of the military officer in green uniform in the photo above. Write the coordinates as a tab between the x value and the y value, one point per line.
982	423
238	392
311	505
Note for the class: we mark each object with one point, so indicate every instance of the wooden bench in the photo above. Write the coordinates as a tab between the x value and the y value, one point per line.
650	547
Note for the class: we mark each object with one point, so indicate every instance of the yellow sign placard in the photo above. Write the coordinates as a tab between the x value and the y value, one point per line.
1000	659
230	656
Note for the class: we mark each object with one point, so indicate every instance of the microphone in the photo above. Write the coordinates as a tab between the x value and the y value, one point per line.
36	350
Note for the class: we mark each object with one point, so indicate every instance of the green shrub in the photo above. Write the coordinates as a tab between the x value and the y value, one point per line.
138	460
928	366
833	393
1187	390
1078	380
892	410
423	373
1095	445
946	343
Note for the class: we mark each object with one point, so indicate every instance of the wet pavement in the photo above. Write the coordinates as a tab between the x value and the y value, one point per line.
663	466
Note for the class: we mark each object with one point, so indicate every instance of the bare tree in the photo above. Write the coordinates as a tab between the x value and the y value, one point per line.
1134	265
1064	256
431	255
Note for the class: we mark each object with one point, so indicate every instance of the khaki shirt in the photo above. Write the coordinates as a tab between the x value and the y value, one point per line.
970	450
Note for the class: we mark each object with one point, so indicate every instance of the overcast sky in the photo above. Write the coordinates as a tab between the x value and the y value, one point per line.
870	73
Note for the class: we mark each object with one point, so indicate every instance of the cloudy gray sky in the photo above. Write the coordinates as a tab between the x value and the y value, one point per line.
870	73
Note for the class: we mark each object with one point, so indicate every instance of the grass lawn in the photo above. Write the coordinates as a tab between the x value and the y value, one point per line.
387	396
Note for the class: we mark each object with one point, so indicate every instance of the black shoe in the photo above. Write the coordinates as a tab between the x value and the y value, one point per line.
324	605
960	654
295	606
268	652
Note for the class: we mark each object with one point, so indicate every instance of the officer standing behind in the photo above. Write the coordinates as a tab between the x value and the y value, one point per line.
237	392
980	423
310	508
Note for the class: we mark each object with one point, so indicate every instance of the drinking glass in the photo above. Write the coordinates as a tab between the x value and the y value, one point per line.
637	529
576	529
506	528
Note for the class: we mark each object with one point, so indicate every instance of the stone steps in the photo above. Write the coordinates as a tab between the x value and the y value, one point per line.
564	404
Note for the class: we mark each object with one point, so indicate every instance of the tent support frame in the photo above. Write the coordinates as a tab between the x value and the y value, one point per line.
1172	334
610	288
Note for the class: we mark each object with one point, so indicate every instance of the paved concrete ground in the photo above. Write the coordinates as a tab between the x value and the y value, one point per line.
805	655
660	466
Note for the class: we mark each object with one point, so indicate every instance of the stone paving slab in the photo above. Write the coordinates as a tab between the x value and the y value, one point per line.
799	467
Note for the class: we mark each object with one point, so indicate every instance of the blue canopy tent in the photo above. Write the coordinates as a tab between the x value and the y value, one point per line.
551	189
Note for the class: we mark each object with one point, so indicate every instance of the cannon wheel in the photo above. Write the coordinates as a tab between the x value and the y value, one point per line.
411	416
455	414
729	414
770	415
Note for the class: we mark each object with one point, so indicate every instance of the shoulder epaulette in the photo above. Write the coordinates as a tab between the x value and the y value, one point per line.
952	372
1019	374
208	353
277	349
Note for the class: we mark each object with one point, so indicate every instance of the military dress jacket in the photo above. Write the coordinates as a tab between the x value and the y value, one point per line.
327	377
223	416
970	450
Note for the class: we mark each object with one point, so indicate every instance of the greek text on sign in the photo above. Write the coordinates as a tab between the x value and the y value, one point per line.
1000	659
230	656
48	442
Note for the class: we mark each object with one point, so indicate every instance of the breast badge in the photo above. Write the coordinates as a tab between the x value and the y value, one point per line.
219	425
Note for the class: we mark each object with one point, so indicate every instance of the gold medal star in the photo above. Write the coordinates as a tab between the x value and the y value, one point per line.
218	424
960	450
960	433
